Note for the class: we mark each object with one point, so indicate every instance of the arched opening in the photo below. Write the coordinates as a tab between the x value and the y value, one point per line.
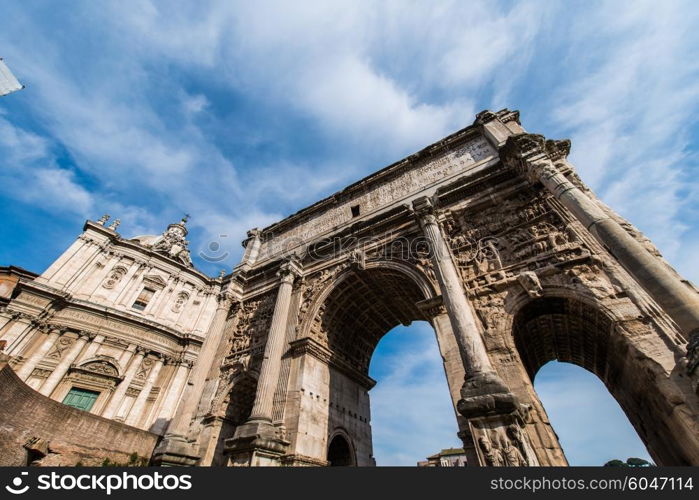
412	414
340	452
360	309
573	332
608	435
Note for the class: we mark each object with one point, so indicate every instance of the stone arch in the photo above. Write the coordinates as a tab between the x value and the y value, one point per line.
419	278
328	382
372	300
340	449
580	330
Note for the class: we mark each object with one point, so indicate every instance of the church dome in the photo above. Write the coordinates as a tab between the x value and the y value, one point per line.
172	243
145	239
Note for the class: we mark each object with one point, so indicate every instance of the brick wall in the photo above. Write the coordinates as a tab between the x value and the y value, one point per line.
63	435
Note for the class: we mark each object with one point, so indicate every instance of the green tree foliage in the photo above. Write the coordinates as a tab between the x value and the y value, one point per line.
630	462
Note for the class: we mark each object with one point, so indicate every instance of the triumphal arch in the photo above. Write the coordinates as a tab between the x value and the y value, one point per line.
489	235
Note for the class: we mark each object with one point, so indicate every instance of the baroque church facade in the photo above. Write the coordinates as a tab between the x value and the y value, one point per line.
489	235
113	326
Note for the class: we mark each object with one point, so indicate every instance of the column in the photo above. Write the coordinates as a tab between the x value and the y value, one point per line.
271	362
62	368
169	405
92	348
535	156
136	413
483	391
126	355
28	367
15	333
118	396
185	412
461	316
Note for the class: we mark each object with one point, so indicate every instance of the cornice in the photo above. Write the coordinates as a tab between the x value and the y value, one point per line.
63	301
117	240
381	176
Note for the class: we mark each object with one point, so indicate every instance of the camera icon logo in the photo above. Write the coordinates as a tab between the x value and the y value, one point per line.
214	253
16	488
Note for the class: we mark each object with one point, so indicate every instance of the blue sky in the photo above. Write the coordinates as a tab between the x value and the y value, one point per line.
241	113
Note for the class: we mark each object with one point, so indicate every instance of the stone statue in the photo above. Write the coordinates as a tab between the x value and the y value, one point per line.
530	281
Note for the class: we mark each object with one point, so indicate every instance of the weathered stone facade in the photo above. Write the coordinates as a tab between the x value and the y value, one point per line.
121	319
488	234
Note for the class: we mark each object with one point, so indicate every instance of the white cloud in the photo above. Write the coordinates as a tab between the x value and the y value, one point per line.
119	90
630	109
591	426
30	173
412	416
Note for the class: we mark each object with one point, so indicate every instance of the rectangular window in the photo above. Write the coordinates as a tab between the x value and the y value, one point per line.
143	298
355	211
82	399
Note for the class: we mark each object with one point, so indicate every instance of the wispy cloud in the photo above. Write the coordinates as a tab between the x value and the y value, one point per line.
412	416
607	433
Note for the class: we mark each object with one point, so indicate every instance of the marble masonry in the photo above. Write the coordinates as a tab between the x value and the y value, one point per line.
488	234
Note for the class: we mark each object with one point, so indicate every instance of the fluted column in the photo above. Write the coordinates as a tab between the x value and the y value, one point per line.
118	396
461	315
63	366
540	160
271	362
483	391
136	413
28	367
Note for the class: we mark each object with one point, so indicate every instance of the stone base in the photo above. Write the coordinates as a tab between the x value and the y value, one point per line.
175	451
486	394
256	444
303	461
496	422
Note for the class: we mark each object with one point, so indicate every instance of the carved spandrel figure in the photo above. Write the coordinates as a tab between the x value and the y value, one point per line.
491	455
487	256
513	457
531	284
592	278
514	432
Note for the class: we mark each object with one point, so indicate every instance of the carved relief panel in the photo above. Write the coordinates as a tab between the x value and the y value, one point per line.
522	232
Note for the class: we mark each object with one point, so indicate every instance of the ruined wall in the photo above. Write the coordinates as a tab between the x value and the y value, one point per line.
32	425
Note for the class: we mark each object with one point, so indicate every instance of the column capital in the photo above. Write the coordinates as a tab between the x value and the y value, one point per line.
226	297
289	270
423	208
140	351
528	153
84	334
170	360
159	356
